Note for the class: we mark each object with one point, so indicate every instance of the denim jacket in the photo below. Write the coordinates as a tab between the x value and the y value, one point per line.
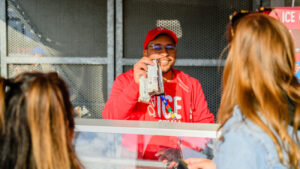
246	146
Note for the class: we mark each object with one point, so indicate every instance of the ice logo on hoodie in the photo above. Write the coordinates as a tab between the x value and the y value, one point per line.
162	113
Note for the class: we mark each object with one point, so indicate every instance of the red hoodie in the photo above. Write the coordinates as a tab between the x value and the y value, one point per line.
184	94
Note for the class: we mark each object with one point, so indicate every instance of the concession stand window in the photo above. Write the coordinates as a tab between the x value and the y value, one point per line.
102	144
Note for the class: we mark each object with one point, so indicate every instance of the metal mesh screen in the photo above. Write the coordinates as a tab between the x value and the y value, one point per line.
210	79
70	28
290	2
88	87
200	25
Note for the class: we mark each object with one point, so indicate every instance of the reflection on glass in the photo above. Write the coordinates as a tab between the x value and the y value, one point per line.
107	150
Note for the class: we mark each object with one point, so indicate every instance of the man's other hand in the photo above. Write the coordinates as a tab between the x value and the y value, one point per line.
200	163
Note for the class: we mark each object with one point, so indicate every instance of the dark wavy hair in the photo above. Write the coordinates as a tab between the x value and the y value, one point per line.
37	125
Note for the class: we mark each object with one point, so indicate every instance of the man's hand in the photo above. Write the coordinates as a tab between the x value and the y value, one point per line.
140	68
170	156
200	163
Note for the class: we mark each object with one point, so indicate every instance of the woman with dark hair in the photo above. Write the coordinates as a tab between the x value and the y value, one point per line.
37	125
260	105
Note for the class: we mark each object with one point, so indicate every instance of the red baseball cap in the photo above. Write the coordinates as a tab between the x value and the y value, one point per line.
157	31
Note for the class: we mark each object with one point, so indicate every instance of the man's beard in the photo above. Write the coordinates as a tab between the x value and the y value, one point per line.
166	71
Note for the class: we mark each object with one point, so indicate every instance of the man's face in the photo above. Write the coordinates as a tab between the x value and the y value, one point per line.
164	46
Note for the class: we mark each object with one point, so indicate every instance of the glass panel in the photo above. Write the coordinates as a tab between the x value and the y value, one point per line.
70	28
105	150
88	84
110	149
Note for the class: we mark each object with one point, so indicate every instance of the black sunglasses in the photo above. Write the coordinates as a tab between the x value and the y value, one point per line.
238	15
158	48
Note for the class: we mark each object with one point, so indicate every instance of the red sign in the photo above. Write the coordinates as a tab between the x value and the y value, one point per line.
290	16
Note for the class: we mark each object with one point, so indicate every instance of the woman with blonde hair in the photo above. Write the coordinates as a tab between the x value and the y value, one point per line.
36	122
260	105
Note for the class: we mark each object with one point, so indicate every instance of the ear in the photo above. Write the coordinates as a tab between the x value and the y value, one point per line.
145	53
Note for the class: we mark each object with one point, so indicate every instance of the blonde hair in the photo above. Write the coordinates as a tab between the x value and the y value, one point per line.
37	123
259	77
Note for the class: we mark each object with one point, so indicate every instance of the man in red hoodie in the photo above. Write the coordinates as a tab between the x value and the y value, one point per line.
183	93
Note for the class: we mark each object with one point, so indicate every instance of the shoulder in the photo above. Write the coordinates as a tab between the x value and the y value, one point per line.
125	76
123	80
185	78
183	75
244	139
243	127
238	150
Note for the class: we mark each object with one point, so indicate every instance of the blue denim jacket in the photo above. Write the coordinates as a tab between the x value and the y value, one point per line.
245	146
